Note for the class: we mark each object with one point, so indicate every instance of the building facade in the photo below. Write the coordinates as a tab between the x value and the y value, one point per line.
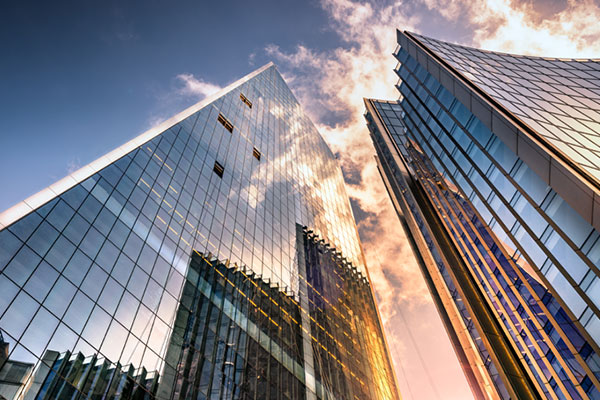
491	161
214	256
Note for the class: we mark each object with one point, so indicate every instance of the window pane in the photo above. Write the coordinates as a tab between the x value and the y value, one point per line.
8	291
25	226
22	265
94	282
9	244
41	281
96	327
78	312
60	296
43	238
39	332
77	267
111	294
19	315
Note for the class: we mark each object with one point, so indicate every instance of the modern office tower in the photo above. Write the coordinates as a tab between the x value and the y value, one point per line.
492	163
214	256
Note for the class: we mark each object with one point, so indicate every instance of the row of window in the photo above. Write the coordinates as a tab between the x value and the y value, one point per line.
218	168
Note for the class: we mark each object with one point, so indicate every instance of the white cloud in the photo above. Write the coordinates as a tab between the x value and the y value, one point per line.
572	32
563	29
196	87
73	165
185	90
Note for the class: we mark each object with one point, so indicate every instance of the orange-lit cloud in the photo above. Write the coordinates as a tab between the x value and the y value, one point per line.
330	86
574	31
567	28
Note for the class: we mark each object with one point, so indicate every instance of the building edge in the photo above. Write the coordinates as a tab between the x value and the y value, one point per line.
37	200
577	187
477	378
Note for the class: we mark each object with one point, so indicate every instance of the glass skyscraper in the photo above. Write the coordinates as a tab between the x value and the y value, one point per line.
491	161
214	256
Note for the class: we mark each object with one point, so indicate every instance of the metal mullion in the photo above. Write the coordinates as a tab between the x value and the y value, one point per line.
500	287
511	326
467	254
536	322
556	325
543	214
501	330
511	179
517	315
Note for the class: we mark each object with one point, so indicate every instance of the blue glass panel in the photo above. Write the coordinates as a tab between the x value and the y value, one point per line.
25	226
61	215
77	267
9	245
22	265
576	228
41	281
42	238
60	297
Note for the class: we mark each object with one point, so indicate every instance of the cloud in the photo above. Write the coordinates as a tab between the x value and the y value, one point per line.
330	86
155	120
525	29
550	28
184	90
73	165
196	87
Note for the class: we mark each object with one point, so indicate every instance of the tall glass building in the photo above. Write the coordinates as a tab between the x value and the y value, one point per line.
214	256
492	162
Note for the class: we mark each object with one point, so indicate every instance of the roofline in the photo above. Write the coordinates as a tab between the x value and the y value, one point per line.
564	59
32	203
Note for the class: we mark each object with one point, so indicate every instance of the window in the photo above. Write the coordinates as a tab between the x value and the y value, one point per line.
225	122
256	153
245	100
218	169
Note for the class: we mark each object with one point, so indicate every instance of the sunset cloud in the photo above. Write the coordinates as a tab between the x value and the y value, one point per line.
330	86
572	30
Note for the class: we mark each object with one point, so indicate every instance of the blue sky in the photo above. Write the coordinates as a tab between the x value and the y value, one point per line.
80	78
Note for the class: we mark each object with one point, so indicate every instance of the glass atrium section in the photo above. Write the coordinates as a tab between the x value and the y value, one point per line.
178	270
558	98
513	264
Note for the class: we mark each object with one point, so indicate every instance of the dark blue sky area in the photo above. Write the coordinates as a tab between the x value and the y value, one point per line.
81	78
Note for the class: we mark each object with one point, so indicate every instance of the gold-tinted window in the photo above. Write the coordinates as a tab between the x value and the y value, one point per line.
245	100
228	125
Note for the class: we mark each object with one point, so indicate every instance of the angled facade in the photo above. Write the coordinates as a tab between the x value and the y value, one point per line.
491	161
215	256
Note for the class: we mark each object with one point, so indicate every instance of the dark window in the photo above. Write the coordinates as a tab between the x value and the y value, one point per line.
225	122
218	169
245	100
256	153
